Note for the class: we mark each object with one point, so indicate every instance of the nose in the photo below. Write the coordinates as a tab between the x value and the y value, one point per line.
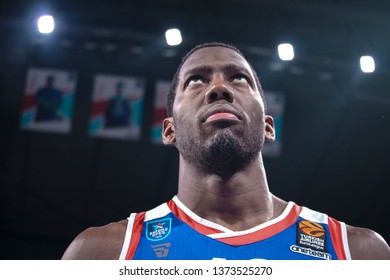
219	91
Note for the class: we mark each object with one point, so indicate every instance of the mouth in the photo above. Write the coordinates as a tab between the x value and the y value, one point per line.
221	115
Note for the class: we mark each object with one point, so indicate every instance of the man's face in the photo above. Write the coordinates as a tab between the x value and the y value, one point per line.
50	82
119	89
218	113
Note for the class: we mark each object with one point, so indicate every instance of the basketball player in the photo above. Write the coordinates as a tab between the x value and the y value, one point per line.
224	208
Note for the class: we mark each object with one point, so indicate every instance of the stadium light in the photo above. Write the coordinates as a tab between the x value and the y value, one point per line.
367	64
286	52
45	24
173	37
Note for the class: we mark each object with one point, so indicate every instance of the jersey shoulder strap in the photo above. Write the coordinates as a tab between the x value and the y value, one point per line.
337	231
135	223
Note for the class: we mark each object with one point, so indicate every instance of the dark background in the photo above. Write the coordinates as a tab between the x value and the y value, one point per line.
336	130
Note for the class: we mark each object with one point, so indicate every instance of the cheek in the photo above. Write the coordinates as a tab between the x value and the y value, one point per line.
181	117
178	109
256	112
186	109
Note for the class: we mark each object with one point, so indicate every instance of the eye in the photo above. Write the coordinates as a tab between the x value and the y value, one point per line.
240	79
195	80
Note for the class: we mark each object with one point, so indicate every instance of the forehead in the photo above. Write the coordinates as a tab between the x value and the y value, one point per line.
214	57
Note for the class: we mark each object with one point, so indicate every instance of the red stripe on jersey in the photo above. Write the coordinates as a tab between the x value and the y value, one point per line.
337	238
135	235
205	230
266	232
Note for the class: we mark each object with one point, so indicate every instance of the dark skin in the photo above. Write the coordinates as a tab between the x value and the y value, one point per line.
217	98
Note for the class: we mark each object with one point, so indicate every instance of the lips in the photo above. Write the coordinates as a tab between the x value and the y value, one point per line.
220	114
221	117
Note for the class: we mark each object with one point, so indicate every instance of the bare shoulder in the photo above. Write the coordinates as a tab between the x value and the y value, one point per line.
98	243
366	244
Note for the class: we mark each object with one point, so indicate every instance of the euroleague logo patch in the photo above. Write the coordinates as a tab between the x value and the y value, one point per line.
158	230
311	228
311	235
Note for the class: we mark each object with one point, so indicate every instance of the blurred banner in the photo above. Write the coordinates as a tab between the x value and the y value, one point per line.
48	100
159	111
275	108
117	104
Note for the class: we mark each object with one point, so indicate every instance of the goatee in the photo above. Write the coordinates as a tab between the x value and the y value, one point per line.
224	154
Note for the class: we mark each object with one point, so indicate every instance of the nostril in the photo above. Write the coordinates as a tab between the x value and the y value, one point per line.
213	96
227	96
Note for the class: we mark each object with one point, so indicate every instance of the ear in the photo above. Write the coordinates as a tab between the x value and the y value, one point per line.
269	129
168	132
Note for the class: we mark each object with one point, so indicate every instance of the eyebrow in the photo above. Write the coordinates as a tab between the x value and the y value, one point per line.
196	70
207	69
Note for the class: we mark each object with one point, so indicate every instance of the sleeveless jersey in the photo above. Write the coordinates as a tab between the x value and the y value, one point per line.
171	231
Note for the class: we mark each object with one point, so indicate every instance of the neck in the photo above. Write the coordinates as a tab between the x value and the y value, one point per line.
237	201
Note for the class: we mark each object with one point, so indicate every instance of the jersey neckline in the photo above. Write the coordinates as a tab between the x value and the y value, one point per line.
215	231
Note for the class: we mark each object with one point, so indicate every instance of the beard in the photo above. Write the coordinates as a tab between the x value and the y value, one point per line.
223	153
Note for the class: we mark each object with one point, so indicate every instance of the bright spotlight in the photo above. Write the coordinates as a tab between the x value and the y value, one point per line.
367	64
286	52
45	24
173	37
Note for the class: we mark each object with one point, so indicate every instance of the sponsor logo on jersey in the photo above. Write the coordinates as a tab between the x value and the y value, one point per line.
158	230
310	252
161	250
311	235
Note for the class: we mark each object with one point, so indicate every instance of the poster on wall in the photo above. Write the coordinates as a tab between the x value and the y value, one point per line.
117	103
275	108
48	100
159	110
